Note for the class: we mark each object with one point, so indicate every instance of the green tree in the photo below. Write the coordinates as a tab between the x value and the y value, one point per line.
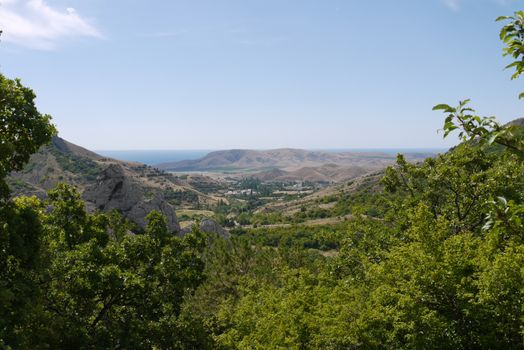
22	131
22	128
107	290
70	279
512	34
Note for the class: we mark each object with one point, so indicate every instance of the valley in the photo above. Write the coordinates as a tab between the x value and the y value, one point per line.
278	187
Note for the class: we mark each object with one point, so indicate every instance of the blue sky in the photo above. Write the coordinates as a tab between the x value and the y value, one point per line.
218	74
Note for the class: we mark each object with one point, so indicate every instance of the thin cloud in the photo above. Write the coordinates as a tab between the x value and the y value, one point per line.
36	25
453	4
161	34
506	2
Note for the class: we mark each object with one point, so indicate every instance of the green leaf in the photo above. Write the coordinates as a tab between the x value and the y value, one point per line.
502	18
512	64
492	139
442	106
503	33
502	201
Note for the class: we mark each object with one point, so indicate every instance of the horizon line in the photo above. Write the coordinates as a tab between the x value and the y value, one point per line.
266	149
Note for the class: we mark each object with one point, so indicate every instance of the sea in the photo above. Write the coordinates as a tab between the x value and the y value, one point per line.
155	157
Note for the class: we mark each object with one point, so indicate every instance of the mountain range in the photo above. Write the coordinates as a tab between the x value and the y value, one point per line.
289	163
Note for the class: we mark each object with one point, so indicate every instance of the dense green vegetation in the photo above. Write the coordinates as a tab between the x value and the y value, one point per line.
322	237
179	197
71	280
431	259
430	274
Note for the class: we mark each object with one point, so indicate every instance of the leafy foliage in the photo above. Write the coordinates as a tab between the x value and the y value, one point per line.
90	286
71	279
22	128
484	130
512	34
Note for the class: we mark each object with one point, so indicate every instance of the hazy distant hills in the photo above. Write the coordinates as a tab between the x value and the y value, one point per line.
294	163
324	173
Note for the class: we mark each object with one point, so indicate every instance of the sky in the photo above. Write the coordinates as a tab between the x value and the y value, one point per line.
258	74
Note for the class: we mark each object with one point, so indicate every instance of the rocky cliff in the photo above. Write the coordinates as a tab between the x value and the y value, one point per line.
209	226
114	189
133	189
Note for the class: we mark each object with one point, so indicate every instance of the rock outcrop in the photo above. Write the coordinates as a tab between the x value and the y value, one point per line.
209	226
116	190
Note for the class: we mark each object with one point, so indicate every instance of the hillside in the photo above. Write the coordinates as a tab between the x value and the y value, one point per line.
358	186
324	173
134	189
285	159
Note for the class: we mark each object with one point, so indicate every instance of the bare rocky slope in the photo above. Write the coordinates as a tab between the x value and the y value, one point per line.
134	189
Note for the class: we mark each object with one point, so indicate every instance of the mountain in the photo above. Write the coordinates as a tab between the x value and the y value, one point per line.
284	159
134	189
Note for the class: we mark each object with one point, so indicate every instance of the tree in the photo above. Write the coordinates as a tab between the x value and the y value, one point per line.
512	34
23	129
73	279
486	130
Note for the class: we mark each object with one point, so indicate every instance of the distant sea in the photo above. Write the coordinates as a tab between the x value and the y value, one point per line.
154	157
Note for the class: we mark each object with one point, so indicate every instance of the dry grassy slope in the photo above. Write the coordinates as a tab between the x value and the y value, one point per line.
62	161
324	173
